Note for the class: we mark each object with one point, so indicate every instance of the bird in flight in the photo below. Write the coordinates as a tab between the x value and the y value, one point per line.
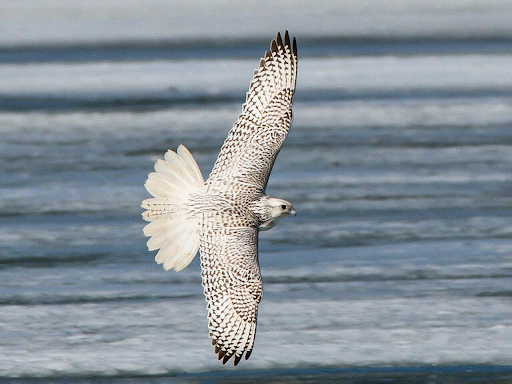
222	216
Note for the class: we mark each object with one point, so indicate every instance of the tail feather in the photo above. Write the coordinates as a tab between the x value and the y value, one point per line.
173	186
188	246
173	228
191	163
156	187
160	208
188	256
167	236
171	174
177	253
156	227
172	250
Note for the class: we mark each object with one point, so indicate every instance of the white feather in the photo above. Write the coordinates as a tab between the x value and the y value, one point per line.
167	236
175	251
156	227
173	228
187	253
184	153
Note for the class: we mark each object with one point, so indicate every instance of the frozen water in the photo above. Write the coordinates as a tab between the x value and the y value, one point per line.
399	165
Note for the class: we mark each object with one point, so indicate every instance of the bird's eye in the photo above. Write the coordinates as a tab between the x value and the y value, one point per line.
283	207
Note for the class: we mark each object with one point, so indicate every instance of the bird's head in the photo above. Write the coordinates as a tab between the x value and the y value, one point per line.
276	210
279	208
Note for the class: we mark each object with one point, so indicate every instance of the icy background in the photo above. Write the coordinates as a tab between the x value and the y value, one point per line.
399	164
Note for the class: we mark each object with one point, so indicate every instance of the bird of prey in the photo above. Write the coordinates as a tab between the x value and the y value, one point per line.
223	215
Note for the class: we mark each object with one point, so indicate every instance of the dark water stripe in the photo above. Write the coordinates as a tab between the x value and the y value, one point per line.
441	272
49	259
112	102
431	374
494	294
47	299
108	103
245	48
397	374
304	137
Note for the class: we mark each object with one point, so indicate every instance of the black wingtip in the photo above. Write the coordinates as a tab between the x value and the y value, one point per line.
248	354
294	47
279	41
226	359
273	46
221	354
287	39
237	359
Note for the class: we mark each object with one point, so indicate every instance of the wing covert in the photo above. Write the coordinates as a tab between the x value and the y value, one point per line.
252	145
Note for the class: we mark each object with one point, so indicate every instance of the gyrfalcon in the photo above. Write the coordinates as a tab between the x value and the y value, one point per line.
223	215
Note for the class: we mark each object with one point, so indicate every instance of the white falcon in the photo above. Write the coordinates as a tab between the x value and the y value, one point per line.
222	216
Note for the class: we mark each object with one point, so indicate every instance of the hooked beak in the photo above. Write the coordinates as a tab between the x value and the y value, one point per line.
293	212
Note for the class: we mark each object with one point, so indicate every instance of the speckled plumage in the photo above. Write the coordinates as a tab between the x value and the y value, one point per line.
226	212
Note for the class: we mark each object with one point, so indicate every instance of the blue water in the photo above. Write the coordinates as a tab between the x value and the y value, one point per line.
399	164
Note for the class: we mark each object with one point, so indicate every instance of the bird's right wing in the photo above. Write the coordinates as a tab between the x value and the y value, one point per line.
232	286
252	145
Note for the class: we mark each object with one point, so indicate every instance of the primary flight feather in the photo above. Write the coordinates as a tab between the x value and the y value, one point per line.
222	216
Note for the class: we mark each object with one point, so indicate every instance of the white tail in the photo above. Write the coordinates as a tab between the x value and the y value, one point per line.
173	229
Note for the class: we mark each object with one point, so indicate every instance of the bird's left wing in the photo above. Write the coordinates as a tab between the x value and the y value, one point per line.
232	286
252	145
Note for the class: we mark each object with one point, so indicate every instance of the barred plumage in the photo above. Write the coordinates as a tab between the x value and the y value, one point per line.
223	215
253	143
